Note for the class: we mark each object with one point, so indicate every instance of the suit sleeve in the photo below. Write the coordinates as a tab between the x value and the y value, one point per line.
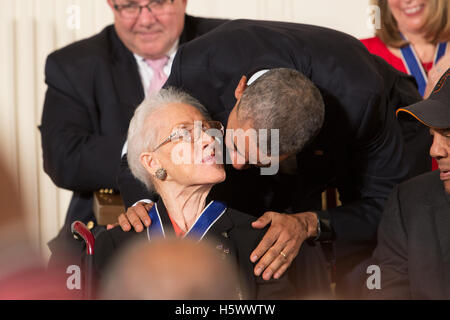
76	156
131	189
391	254
377	163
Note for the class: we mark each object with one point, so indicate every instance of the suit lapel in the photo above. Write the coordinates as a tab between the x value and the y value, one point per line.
218	233
442	223
441	214
165	219
219	237
189	32
125	74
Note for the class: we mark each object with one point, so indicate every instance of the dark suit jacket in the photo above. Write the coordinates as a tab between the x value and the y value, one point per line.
360	149
413	249
241	240
94	87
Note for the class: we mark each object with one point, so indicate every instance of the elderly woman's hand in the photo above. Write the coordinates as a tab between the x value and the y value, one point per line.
136	215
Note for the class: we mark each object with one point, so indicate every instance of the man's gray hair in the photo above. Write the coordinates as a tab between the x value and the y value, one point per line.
142	135
284	99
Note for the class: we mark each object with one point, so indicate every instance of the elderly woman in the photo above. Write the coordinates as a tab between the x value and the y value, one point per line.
174	150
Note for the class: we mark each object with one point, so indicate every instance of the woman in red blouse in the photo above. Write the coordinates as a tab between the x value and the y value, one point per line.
413	38
421	25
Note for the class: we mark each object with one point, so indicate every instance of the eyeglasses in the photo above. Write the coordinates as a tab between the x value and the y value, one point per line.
132	10
190	132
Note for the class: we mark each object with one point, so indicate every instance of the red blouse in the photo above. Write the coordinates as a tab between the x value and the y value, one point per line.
178	231
377	47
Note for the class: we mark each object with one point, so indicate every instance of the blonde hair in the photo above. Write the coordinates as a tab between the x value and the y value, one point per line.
437	24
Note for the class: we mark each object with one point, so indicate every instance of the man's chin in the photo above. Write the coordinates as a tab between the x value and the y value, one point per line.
149	50
149	36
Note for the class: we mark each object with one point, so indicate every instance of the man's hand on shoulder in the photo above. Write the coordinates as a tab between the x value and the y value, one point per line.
136	216
281	243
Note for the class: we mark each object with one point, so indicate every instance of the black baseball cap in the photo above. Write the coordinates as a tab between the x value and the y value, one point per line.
434	112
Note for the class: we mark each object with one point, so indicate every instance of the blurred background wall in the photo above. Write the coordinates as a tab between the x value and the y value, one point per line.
31	29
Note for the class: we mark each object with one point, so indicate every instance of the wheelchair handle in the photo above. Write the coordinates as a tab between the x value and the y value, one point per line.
79	229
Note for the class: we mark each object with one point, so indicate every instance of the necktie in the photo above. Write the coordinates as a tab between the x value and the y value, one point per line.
159	77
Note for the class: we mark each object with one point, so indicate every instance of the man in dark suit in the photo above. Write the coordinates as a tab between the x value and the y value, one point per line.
359	150
94	86
413	251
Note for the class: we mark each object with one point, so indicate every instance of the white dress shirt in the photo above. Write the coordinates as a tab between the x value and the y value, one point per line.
146	72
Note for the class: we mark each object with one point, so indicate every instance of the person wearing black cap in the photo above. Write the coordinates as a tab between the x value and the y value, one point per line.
413	250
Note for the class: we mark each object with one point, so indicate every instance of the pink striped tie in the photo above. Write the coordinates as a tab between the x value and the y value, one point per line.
159	77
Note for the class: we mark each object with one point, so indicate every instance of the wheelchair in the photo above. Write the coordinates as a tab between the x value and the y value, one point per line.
81	232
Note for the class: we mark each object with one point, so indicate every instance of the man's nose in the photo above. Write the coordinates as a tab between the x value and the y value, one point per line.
438	149
146	17
239	166
237	160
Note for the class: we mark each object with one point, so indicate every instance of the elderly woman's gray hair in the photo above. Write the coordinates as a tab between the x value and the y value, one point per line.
142	136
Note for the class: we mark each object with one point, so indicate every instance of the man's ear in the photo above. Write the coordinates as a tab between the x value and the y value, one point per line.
110	4
241	88
150	163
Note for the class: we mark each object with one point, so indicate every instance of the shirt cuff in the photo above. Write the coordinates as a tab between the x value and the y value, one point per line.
325	231
319	229
143	200
124	149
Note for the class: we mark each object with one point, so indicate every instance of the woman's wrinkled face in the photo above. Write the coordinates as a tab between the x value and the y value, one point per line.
192	156
409	14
